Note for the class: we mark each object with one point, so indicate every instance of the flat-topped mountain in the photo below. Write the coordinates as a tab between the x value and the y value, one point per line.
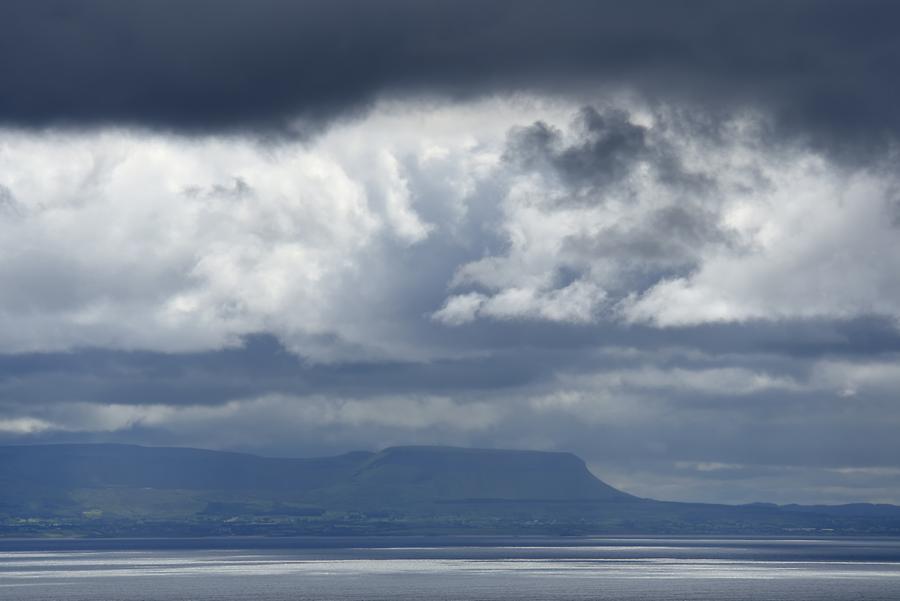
111	489
448	473
399	476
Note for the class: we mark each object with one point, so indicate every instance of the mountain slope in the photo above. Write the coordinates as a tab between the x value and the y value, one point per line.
113	465
66	478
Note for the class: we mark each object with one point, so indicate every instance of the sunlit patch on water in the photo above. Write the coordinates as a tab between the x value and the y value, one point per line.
659	569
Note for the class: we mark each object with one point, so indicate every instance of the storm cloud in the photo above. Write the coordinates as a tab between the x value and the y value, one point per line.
823	68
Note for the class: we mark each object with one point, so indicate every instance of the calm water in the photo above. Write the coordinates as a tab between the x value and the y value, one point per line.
436	568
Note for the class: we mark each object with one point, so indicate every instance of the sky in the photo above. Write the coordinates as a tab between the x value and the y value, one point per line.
662	235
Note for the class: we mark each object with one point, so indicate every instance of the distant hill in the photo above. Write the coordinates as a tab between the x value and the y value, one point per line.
109	489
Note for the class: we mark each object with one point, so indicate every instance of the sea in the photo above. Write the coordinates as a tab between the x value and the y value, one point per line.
450	568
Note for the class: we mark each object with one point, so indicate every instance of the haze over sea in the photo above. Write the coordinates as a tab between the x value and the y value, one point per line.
445	568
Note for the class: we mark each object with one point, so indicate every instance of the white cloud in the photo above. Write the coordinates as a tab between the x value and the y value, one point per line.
819	242
140	241
282	417
130	239
576	303
856	378
397	203
343	245
460	309
694	229
24	425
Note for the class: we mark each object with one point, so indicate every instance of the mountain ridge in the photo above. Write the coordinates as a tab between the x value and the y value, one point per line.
116	489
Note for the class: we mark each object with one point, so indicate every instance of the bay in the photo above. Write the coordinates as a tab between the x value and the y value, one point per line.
450	568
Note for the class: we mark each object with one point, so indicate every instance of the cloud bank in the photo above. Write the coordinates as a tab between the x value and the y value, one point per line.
825	68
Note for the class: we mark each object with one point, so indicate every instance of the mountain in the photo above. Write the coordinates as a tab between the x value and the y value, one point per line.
403	476
54	479
112	490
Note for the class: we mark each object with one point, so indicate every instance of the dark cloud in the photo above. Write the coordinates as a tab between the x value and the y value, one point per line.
823	68
607	157
236	189
609	148
260	366
510	356
9	207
